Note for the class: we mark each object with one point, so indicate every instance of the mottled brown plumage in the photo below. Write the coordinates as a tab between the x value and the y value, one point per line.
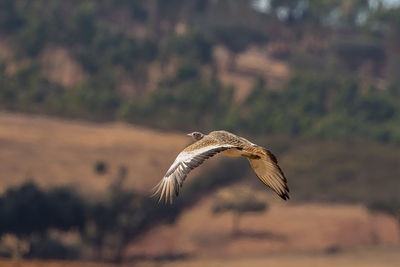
263	162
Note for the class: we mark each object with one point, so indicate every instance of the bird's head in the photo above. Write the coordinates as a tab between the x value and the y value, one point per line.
196	135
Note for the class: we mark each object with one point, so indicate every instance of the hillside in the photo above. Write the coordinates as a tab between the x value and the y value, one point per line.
96	98
55	152
285	228
370	257
207	64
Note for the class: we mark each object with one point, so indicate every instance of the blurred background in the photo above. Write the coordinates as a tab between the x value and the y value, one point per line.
96	98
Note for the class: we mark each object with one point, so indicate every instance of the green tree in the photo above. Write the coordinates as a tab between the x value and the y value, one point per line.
112	223
67	210
237	37
194	47
10	17
239	201
25	213
388	206
2	215
84	22
28	213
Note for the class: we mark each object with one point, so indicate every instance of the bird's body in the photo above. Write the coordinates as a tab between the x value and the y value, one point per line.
262	161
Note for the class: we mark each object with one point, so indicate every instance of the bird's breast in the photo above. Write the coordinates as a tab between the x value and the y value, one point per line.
232	152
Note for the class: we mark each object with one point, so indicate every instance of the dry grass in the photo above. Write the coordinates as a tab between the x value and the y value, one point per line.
369	257
285	227
373	257
50	263
62	152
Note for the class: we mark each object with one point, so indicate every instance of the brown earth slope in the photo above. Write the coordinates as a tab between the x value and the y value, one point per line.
63	152
367	257
286	227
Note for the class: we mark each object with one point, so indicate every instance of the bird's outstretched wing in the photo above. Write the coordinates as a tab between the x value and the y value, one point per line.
191	157
268	171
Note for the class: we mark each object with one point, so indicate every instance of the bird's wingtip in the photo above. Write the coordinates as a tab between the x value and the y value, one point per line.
163	190
285	196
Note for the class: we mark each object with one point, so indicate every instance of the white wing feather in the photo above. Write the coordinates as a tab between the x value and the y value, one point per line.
183	164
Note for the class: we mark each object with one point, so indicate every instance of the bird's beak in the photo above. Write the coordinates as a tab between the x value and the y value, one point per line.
189	134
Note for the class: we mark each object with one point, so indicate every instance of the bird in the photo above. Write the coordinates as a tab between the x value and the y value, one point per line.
263	162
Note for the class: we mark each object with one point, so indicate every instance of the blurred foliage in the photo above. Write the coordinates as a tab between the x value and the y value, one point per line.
344	85
353	52
316	105
108	223
100	167
27	211
193	47
324	171
30	213
329	171
49	248
237	37
239	201
391	207
181	102
335	90
388	206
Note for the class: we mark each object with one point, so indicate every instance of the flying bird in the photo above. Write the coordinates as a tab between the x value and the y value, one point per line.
263	162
